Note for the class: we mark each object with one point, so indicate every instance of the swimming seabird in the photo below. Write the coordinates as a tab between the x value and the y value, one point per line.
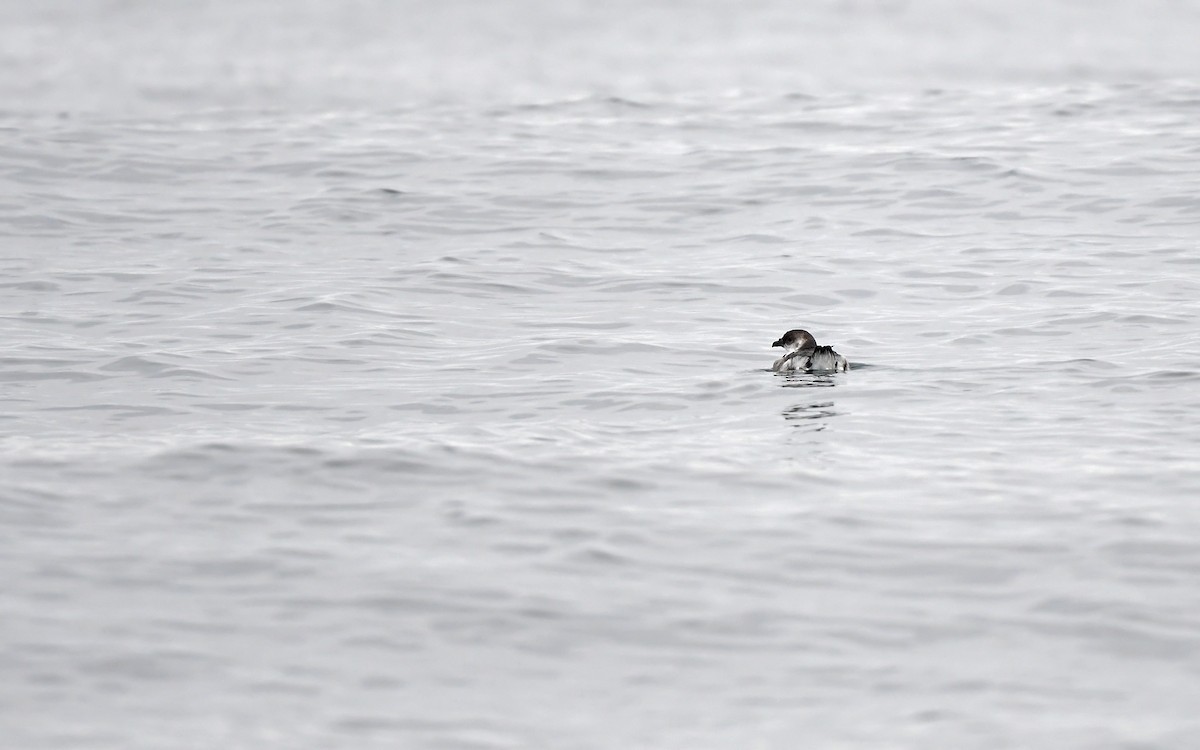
804	354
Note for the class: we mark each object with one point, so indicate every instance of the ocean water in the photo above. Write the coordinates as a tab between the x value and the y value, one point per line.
396	375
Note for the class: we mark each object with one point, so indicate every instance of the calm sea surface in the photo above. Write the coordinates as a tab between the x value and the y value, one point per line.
396	375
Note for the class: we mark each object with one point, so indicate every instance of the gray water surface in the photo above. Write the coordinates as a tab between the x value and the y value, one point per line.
392	375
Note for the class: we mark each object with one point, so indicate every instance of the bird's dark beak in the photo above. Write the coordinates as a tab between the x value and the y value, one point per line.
778	343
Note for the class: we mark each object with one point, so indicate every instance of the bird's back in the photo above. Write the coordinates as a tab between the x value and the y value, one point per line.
825	358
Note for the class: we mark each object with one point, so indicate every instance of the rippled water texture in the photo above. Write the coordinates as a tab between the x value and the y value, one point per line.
444	418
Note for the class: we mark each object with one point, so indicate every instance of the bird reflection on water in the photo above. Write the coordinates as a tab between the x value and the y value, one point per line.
812	415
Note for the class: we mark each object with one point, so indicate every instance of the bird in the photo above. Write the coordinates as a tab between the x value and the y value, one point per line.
804	354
